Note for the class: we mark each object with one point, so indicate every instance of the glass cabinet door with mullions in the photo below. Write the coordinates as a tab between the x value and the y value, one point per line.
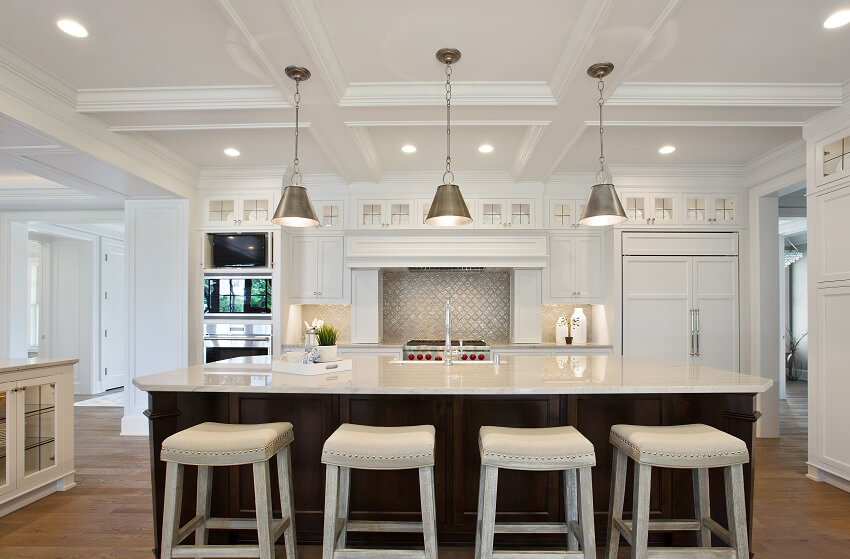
39	427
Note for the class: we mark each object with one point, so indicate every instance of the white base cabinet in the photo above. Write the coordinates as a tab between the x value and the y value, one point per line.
36	432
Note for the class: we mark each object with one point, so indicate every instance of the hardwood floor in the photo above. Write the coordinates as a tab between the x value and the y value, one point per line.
108	514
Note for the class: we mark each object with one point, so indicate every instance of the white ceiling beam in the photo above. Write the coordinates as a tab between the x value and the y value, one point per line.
442	123
422	94
209	126
368	151
525	149
208	98
711	94
700	123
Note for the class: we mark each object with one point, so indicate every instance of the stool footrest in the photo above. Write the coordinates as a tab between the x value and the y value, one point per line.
379	526
216	551
530	528
691	553
718	530
537	554
189	528
386	553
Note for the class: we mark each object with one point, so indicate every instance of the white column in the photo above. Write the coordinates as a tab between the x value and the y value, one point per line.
157	239
13	287
766	304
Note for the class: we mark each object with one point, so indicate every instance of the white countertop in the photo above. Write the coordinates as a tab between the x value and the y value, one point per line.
372	374
23	363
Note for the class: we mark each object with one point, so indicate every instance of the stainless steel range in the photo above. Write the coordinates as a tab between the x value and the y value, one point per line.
432	350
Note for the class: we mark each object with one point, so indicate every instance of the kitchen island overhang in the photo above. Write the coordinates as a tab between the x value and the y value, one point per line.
589	392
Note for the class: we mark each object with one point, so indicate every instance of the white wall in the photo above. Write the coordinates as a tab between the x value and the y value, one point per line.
157	242
13	288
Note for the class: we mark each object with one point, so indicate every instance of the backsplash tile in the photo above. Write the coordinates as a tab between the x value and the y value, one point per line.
550	317
335	315
415	305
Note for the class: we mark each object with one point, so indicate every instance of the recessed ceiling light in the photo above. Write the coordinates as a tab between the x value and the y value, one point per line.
838	19
485	148
666	150
73	28
408	148
232	152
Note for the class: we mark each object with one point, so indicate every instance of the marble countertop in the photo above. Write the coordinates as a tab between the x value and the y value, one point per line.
528	374
23	363
552	345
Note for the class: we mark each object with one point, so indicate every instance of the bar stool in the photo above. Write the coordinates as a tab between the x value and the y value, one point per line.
696	447
377	448
220	444
549	448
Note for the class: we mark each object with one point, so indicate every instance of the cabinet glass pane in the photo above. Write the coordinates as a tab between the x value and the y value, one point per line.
561	215
663	208
371	214
400	214
255	210
521	214
835	156
39	428
221	210
492	214
635	207
331	216
4	451
724	209
696	208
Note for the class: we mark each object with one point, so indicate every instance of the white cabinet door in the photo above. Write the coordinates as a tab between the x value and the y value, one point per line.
520	213
562	214
697	209
637	208
715	301
587	269
8	438
656	307
561	264
330	213
371	214
305	273
724	209
331	264
256	210
401	214
491	214
664	209
221	211
38	411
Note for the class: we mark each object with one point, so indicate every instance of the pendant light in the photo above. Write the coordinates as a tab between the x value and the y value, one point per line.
295	209
448	207
603	207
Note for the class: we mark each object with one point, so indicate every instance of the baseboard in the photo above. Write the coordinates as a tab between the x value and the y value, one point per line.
821	475
34	495
135	425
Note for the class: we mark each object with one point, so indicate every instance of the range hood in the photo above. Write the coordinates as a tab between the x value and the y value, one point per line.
445	269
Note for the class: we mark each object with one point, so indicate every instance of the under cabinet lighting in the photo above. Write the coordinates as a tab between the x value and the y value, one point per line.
73	28
232	152
408	148
666	150
486	148
838	19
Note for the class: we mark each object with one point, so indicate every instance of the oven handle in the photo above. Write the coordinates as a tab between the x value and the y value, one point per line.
239	338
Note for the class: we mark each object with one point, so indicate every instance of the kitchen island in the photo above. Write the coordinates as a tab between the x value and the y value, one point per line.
589	392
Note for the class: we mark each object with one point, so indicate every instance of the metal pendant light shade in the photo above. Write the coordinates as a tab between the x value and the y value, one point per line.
448	207
295	209
603	206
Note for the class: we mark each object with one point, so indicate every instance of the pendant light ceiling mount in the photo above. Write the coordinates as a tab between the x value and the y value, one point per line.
600	70
448	56
295	209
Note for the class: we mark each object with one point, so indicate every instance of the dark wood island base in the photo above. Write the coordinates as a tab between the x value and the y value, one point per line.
393	495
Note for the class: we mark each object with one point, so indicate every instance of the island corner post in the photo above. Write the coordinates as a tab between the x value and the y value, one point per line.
393	495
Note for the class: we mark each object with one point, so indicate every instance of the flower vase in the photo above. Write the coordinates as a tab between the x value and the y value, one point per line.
578	326
562	330
327	353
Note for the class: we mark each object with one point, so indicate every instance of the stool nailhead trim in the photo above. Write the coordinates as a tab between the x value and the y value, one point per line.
677	454
185	452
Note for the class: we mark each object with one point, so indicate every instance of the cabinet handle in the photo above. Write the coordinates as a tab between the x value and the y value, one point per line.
696	313
653	221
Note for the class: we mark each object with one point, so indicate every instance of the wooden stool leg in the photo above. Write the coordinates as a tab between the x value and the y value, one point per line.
263	504
571	507
202	502
342	513
331	503
172	505
702	506
488	514
284	487
615	503
429	524
480	510
640	511
734	482
588	536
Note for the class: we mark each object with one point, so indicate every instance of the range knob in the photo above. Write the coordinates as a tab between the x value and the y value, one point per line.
411	357
464	357
472	356
419	356
428	356
438	358
481	357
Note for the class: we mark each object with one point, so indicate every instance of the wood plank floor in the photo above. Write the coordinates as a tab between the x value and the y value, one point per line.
108	514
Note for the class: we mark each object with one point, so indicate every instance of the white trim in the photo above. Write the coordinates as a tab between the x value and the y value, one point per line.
134	425
209	97
822	473
526	147
442	123
210	126
368	151
787	162
727	94
699	123
479	93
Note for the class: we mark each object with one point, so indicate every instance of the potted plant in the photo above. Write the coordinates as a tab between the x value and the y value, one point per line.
326	335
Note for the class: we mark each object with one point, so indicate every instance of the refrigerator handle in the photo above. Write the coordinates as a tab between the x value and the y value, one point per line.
692	331
696	330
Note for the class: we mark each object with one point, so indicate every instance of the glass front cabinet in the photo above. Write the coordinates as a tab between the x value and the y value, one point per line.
651	209
710	209
564	214
513	213
245	210
375	214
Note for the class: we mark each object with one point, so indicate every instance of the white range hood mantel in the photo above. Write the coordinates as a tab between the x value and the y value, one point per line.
440	248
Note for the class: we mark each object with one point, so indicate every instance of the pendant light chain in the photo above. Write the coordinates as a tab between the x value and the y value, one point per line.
295	179
602	175
448	127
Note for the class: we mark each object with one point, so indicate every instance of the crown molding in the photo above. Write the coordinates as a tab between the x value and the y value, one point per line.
788	159
708	94
42	194
210	126
258	172
209	98
482	93
699	123
827	123
313	34
434	177
368	151
525	149
442	123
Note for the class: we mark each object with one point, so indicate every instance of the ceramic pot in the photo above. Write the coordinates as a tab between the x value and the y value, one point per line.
568	339
327	353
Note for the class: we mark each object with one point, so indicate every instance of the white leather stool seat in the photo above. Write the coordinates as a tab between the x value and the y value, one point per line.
679	446
380	448
547	448
225	444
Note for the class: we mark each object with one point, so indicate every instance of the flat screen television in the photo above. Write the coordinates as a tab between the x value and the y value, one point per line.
238	250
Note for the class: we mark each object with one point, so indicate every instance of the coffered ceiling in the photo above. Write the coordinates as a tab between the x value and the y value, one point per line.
724	81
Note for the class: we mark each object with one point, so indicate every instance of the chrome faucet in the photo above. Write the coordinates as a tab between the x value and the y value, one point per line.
447	359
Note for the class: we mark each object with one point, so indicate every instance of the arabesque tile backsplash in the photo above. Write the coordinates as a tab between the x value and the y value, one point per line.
338	316
415	305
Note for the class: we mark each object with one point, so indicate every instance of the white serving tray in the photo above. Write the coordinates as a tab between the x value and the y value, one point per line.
293	368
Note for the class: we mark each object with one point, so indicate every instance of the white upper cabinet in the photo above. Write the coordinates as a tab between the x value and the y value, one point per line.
244	210
832	158
564	214
575	268
377	214
651	209
514	213
317	269
331	213
710	209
